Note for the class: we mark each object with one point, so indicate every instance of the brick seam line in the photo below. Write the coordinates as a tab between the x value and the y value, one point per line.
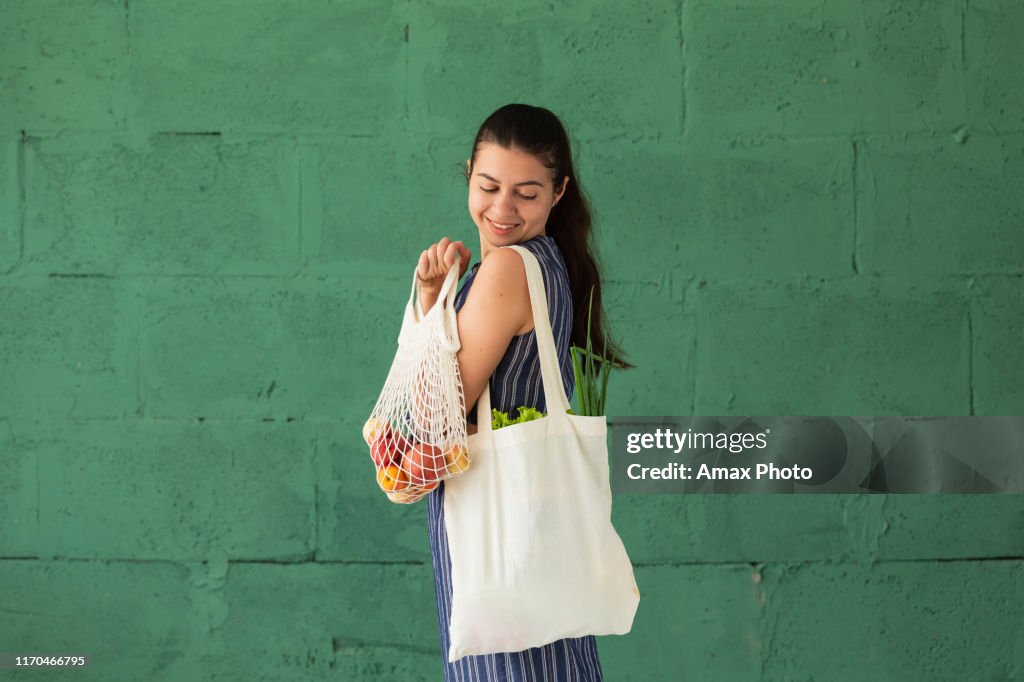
299	169
856	217
22	171
684	109
970	358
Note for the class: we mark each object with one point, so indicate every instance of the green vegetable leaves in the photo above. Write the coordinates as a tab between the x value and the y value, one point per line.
499	419
591	379
526	414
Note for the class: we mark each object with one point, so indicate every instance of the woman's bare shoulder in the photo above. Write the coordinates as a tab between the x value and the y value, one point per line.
500	289
502	272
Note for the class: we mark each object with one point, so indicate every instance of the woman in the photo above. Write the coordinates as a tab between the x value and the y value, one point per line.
522	190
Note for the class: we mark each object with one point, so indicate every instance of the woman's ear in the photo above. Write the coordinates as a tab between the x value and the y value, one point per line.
558	195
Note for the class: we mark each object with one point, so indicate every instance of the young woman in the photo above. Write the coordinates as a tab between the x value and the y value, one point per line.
522	190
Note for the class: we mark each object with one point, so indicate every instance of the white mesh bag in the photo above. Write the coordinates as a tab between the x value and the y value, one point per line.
417	430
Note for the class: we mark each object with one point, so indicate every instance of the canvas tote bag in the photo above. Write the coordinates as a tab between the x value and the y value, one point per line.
534	555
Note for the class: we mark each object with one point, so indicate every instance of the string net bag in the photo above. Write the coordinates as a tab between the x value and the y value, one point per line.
417	430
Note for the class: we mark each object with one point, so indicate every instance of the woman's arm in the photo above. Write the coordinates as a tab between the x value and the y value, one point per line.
497	308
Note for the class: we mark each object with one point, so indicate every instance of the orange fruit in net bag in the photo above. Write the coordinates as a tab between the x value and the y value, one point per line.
400	496
457	459
424	463
411	493
371	429
392	478
387	447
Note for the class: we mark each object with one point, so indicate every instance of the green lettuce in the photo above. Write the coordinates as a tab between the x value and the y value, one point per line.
527	414
501	419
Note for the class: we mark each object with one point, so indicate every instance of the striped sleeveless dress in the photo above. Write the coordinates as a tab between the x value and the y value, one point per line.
516	381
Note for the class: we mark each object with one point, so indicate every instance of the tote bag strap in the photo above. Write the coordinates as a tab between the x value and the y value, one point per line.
550	372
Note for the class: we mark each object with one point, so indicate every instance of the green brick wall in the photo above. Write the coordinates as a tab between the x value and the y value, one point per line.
209	215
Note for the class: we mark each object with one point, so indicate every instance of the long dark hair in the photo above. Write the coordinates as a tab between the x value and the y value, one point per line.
538	131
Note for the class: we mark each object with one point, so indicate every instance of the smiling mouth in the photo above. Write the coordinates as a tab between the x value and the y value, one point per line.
501	227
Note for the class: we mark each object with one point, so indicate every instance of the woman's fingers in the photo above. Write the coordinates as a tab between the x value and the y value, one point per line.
438	259
464	256
456	249
425	269
421	266
432	258
441	251
449	255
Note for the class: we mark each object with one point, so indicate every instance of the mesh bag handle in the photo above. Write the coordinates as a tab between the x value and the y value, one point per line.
445	296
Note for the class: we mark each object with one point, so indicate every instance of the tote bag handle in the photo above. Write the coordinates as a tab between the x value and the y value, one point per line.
550	372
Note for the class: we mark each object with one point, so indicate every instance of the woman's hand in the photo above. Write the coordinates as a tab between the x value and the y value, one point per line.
436	261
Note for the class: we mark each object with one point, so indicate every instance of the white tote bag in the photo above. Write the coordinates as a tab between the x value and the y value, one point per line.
534	555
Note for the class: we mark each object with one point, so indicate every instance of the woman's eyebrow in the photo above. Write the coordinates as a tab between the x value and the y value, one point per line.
518	184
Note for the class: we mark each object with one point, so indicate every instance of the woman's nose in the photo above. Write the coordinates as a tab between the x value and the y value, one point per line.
504	203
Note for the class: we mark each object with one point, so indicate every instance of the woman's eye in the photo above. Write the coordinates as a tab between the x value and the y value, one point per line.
492	190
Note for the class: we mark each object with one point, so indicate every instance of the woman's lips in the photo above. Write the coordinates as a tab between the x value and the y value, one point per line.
498	227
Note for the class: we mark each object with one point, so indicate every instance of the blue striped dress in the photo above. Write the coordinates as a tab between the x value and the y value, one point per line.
516	381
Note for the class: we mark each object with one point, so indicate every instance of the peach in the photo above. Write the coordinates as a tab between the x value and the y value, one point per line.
371	429
392	478
413	493
424	463
457	459
387	447
400	496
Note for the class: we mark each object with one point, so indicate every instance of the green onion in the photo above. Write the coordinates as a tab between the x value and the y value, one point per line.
591	382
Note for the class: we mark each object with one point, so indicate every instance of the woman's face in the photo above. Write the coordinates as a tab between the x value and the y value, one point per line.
510	196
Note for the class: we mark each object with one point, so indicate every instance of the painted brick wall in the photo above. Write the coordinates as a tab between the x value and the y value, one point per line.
209	214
